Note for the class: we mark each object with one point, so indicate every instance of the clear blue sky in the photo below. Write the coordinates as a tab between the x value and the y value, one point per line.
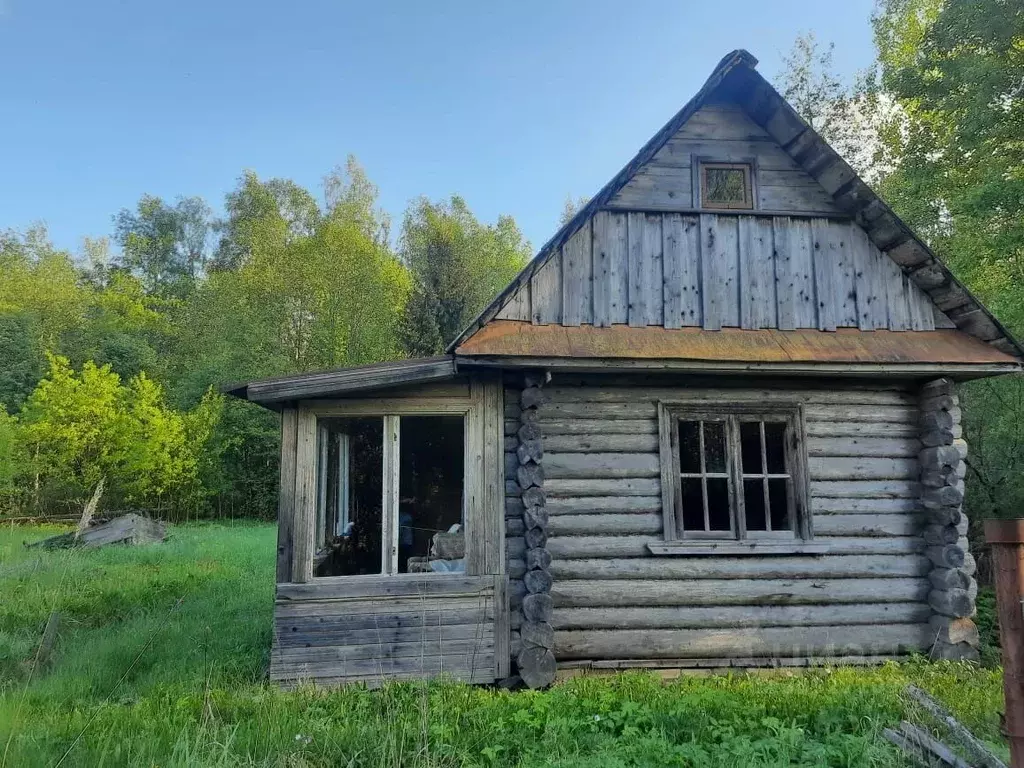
514	107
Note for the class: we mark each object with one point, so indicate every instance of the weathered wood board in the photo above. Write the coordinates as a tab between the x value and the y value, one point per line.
722	271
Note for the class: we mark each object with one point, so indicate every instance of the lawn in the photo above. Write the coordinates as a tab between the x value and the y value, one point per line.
161	657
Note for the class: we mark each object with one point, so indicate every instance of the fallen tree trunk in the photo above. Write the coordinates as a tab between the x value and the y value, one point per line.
127	529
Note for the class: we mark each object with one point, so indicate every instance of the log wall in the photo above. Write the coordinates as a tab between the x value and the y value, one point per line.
612	599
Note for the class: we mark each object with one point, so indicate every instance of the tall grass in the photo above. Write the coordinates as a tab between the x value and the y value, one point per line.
199	606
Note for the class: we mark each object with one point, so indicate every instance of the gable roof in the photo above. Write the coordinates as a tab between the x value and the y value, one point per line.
737	77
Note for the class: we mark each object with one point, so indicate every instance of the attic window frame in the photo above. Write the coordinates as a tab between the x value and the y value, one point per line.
701	165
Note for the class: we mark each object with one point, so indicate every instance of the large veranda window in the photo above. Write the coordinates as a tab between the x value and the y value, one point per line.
390	495
733	474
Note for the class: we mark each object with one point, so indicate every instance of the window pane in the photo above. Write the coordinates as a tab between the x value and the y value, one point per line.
351	506
693	504
779	502
750	439
431	535
774	443
689	446
718	504
725	185
753	500
714	446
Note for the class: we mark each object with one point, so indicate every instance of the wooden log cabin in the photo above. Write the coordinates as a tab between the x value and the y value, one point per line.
711	424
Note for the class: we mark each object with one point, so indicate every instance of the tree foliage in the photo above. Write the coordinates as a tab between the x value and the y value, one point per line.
458	265
107	358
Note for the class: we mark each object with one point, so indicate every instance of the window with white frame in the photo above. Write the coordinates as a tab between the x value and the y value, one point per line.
733	474
390	495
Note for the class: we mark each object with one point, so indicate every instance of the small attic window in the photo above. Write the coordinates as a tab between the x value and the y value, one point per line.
726	185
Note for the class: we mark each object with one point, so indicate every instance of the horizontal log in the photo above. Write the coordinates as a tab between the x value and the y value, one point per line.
885	414
588	505
473	667
746	567
844	468
353	622
356	587
601	465
584	426
860	429
603	411
956	603
885	506
602	443
769	641
632	592
422	634
867	489
636	546
283	657
867	525
686	617
411	605
884	447
583	525
611	394
559	488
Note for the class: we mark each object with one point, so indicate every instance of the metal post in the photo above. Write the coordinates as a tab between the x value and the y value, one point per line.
1007	540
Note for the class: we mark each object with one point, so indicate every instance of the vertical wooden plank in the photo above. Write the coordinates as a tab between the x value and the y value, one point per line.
390	492
844	286
601	279
518	305
824	252
871	296
802	265
794	272
637	299
476	523
653	250
493	519
757	272
922	311
690	277
546	292
305	497
617	268
896	295
502	628
668	471
286	494
610	269
719	250
785	281
577	278
672	257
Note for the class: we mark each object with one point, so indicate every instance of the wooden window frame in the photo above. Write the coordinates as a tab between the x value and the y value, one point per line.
391	413
798	539
700	167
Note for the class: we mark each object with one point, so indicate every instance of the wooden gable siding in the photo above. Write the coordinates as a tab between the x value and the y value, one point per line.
614	599
722	270
723	133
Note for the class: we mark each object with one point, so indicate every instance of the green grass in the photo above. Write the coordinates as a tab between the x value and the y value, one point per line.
162	653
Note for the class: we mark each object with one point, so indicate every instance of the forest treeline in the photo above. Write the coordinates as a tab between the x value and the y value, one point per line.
111	365
111	359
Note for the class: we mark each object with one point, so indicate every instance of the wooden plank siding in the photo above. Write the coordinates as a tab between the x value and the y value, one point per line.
613	599
724	133
345	629
722	271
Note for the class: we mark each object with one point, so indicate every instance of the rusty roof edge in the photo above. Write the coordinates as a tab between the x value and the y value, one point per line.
729	62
